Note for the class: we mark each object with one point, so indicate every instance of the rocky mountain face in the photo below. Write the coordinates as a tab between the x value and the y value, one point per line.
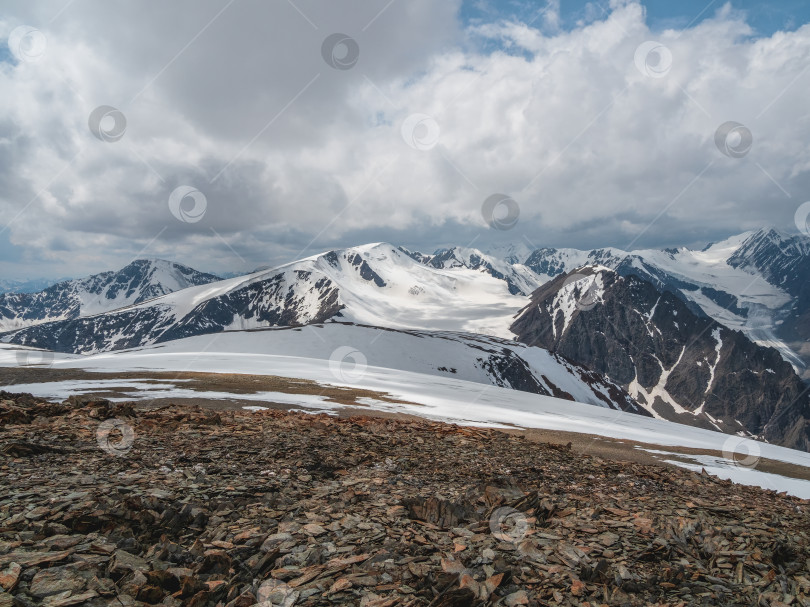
657	267
284	299
510	370
756	282
553	262
783	261
138	282
677	364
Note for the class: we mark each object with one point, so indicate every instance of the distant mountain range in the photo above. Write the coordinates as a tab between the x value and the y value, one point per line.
713	338
9	285
138	282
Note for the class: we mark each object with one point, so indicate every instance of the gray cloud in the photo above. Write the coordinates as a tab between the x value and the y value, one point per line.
236	100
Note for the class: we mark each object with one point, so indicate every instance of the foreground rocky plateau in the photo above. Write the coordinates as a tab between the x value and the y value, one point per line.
113	504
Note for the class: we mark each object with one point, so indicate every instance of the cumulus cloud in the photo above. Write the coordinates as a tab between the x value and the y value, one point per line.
597	146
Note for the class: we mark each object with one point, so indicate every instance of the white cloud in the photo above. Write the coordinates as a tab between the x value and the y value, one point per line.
592	150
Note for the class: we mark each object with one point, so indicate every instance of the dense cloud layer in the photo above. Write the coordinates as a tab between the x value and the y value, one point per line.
598	141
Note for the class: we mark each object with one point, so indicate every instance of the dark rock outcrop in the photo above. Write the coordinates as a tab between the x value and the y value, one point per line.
682	366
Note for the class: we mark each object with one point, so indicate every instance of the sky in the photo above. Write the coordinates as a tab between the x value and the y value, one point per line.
232	134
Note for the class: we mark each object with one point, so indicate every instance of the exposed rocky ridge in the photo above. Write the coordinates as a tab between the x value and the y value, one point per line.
283	299
509	369
680	366
552	262
555	262
196	508
139	281
767	255
784	261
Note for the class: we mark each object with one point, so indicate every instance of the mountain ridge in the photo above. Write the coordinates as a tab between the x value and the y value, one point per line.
468	291
676	364
137	282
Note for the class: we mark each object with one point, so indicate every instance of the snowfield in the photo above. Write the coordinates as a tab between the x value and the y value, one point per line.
441	398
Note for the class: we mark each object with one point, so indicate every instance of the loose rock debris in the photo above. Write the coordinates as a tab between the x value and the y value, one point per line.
183	506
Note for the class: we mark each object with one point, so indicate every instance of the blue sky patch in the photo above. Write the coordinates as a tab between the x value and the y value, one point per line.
764	17
5	53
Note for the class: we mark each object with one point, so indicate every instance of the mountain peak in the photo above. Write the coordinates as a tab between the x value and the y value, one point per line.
138	281
770	234
670	359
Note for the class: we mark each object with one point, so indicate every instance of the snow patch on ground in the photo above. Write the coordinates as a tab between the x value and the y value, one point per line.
441	398
725	469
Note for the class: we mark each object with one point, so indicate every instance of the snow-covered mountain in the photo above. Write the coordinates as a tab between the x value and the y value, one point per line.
747	282
721	381
139	281
757	282
520	279
376	284
511	252
677	364
783	261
